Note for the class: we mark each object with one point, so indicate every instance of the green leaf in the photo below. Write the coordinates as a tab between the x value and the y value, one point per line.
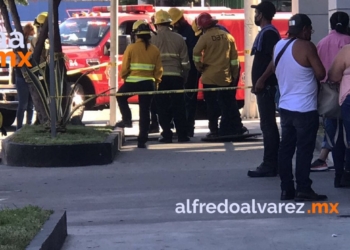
83	103
35	80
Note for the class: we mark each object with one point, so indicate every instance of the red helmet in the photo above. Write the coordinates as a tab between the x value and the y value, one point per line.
204	20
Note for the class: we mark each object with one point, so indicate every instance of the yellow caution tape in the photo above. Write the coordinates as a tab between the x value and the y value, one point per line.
75	71
157	92
247	51
162	92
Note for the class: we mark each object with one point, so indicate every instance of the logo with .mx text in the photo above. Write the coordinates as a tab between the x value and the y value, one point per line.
15	41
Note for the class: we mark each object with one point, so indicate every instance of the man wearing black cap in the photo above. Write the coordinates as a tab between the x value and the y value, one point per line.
265	91
297	70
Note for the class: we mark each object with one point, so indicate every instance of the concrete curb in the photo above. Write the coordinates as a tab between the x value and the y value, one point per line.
53	233
15	154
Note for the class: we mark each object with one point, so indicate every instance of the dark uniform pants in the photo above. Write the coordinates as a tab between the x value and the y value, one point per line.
191	99
224	103
172	106
144	103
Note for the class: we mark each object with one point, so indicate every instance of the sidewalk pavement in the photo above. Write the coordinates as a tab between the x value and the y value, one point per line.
131	203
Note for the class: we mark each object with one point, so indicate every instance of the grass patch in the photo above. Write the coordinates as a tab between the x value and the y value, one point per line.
19	226
38	135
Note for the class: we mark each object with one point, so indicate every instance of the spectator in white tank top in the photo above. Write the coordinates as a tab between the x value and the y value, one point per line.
297	72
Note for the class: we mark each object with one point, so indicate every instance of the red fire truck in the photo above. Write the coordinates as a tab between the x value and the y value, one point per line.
86	41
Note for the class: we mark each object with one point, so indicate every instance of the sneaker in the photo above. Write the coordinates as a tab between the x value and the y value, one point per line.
261	171
212	134
242	131
153	130
287	195
124	124
309	196
165	140
141	145
319	165
190	133
184	139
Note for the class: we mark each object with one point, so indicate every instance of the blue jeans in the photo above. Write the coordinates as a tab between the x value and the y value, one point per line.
325	144
339	151
25	102
299	131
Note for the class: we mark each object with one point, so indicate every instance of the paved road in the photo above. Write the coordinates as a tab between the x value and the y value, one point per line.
131	203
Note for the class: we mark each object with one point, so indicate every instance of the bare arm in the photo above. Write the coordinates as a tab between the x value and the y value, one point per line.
268	72
315	61
335	73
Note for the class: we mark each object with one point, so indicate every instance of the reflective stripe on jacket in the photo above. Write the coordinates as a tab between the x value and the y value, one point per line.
216	56
140	64
173	51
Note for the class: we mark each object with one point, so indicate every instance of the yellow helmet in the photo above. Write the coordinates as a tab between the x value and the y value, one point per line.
175	14
141	27
197	31
162	16
41	17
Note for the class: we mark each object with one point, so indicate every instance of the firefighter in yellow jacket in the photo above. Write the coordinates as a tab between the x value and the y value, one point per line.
176	66
141	70
216	57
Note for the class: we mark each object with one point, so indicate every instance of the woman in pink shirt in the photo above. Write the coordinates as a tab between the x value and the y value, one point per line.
340	72
328	49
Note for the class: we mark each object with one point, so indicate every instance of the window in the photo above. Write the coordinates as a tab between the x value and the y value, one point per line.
125	28
84	31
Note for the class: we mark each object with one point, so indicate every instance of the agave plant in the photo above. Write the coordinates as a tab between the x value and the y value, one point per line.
39	77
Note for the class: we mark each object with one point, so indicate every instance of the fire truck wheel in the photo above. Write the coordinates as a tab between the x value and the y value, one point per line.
78	98
9	116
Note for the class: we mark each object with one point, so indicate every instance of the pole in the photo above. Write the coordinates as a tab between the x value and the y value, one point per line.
202	3
52	69
113	68
117	53
250	32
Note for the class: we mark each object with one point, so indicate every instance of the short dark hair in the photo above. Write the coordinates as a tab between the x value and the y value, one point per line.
339	21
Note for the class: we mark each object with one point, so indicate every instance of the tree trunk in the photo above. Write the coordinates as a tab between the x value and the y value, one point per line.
60	61
40	44
5	16
17	21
